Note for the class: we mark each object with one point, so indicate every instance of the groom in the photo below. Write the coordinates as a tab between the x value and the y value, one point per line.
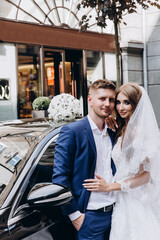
83	151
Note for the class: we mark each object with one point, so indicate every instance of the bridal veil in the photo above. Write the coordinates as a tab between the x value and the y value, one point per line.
141	146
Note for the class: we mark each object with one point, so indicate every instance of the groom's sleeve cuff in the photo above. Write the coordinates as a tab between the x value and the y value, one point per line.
74	215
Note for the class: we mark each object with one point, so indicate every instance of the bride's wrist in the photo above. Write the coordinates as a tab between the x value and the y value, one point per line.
117	186
125	186
113	187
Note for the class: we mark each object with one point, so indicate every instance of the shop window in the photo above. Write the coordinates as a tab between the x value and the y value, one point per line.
29	84
94	67
54	79
73	73
110	66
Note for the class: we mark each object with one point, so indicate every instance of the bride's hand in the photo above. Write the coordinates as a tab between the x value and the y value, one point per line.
111	122
97	185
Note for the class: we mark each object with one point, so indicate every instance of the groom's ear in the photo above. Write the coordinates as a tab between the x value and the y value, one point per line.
89	99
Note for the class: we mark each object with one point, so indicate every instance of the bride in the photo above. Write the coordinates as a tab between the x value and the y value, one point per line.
136	214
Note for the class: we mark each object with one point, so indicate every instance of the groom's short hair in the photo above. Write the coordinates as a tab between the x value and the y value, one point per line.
102	83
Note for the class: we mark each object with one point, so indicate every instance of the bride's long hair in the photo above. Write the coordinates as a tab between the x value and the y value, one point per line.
133	92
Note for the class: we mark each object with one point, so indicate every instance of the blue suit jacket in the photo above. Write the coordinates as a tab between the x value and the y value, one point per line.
75	160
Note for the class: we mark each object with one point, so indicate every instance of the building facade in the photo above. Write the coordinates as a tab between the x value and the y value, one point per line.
42	53
140	48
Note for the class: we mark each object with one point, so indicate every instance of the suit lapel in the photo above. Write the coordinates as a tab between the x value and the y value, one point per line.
89	134
112	137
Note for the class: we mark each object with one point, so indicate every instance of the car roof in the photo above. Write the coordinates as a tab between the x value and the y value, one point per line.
26	126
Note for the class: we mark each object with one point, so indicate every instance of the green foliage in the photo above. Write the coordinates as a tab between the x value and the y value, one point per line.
112	10
41	103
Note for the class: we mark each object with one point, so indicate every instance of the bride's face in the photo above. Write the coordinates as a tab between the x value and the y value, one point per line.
124	106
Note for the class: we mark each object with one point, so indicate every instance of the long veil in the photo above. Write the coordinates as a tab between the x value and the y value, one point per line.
141	145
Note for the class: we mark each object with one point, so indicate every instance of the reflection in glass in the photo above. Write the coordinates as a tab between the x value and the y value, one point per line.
16	145
54	79
94	67
29	78
110	66
73	73
70	82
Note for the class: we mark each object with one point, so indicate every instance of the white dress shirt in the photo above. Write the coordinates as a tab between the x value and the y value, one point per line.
103	169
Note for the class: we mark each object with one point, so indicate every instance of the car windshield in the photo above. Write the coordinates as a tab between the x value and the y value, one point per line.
16	145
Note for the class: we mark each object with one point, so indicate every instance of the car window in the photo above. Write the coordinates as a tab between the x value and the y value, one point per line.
16	146
44	169
13	155
48	156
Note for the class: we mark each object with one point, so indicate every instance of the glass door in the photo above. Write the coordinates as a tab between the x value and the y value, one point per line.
73	72
62	72
53	72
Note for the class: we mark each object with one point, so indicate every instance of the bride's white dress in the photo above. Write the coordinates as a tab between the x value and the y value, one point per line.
134	216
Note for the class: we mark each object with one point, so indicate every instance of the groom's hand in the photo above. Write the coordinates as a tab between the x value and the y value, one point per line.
77	223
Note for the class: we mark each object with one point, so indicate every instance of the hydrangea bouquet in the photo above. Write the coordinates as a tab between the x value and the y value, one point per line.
64	107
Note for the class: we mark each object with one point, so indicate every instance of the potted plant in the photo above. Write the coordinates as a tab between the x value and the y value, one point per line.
40	106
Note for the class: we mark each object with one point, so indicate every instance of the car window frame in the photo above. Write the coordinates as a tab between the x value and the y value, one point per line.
27	171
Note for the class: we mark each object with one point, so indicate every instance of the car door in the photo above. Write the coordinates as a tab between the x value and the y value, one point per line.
42	221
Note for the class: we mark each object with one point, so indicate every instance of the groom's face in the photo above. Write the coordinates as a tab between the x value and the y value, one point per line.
101	102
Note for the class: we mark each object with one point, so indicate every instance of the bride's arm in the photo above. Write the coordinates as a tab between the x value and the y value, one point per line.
143	177
100	185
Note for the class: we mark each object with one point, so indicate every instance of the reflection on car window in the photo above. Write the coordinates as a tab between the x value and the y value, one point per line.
13	151
48	156
16	146
44	169
5	176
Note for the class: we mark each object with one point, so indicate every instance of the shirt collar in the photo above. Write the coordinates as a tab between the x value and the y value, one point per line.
95	128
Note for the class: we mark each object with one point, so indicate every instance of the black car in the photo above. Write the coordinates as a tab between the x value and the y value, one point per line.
30	205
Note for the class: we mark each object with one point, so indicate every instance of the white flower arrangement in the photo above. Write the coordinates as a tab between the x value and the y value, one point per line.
64	107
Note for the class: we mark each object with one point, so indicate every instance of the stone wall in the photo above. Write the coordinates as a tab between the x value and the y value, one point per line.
141	33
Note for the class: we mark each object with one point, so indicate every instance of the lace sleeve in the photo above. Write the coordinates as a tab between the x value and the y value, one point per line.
143	177
125	185
146	165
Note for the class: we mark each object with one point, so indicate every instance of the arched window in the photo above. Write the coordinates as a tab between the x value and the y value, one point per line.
56	13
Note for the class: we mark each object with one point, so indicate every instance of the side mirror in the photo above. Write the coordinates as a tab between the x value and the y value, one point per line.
49	194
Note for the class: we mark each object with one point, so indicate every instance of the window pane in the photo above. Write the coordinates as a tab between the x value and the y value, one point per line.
58	12
94	66
31	8
7	10
25	17
28	78
53	73
110	66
